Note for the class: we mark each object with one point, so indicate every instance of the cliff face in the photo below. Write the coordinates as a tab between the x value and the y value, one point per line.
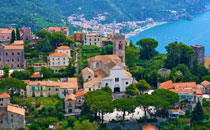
40	13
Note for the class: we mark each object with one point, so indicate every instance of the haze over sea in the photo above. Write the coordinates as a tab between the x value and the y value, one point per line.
194	32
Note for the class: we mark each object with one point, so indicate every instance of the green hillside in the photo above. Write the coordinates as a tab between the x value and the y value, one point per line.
43	13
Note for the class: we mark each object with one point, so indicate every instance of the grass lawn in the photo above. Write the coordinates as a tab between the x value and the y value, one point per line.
43	101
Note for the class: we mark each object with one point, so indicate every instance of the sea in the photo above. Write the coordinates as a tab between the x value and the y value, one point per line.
190	32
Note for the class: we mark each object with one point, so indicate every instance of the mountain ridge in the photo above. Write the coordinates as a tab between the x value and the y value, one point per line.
43	13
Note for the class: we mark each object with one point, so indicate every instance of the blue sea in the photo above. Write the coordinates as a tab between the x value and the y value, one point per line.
193	32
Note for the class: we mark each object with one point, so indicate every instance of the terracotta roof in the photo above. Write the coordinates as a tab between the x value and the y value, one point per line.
71	83
17	45
18	42
4	95
58	54
71	96
63	48
87	70
15	109
95	81
207	62
205	83
6	30
176	110
36	75
167	85
11	47
58	29
80	93
100	73
148	127
108	60
185	85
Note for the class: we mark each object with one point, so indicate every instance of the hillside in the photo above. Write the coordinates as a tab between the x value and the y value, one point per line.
43	13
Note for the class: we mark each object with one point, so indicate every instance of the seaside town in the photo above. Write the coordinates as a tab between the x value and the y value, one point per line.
129	28
96	79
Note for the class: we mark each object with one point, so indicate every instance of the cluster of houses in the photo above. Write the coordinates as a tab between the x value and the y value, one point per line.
12	116
101	71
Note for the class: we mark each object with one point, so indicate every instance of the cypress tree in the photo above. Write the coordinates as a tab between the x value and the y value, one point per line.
12	36
18	34
197	113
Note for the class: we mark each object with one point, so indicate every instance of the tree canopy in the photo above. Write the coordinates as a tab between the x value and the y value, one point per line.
147	48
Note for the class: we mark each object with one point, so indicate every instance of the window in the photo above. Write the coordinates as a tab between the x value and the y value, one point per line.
117	79
11	115
126	83
1	104
13	54
6	53
52	58
49	89
18	53
18	60
106	84
89	89
33	88
57	89
58	58
120	46
64	63
1	99
63	58
12	120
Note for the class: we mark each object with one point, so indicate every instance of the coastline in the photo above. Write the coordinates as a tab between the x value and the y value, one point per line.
144	28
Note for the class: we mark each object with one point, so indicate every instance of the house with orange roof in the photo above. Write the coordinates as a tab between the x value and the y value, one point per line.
58	60
189	92
12	55
74	102
11	116
49	88
64	49
149	127
106	70
206	85
64	30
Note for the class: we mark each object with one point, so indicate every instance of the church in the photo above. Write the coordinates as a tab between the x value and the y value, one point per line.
108	70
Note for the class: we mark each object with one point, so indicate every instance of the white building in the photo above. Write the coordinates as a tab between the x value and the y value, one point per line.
106	70
93	39
64	49
58	60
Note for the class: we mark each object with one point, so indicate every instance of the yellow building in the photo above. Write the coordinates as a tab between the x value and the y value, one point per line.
49	88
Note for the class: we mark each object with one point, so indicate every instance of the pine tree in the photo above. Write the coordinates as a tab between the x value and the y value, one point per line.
12	37
46	46
18	34
197	113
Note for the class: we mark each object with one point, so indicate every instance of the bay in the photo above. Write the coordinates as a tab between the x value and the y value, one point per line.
193	32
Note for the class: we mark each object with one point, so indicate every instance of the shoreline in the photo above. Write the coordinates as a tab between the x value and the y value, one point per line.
139	30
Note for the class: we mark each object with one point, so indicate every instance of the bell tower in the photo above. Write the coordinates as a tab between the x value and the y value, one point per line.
119	47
